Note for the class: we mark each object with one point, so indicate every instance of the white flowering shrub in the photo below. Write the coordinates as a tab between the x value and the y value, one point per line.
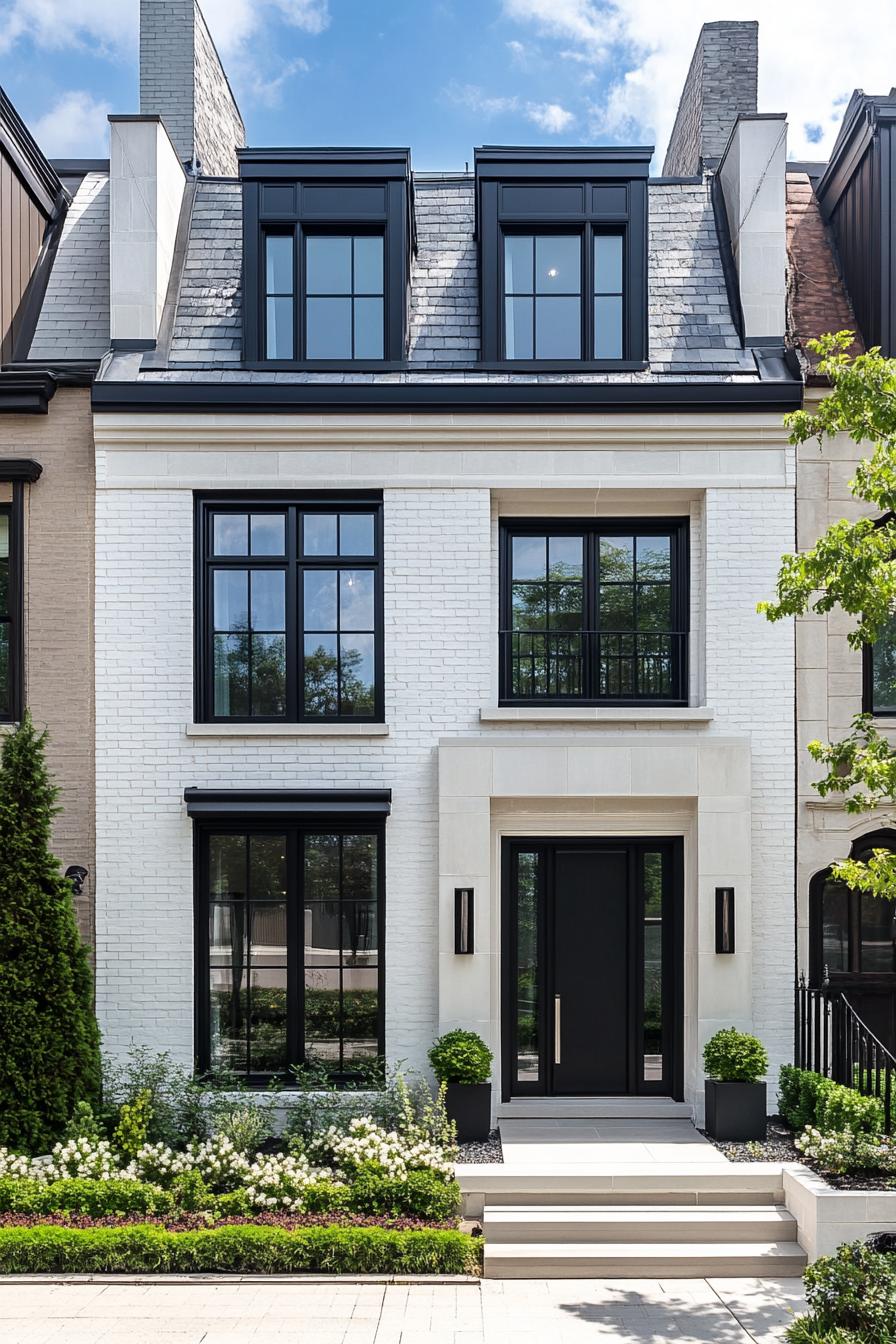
157	1164
366	1141
279	1182
845	1151
15	1165
91	1159
218	1162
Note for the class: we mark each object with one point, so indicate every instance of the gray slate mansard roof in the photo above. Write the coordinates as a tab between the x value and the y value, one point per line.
692	335
74	317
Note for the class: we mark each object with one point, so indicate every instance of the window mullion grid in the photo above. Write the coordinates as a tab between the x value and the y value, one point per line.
636	625
590	613
295	945
294	618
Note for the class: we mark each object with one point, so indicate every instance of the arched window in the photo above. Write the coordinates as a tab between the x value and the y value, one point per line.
852	934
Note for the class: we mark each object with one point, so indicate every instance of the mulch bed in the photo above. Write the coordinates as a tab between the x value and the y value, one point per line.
780	1147
196	1222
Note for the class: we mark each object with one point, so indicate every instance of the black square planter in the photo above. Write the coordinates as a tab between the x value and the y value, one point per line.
469	1105
735	1111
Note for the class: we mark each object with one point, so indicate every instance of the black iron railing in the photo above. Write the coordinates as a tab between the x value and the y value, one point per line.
593	665
831	1039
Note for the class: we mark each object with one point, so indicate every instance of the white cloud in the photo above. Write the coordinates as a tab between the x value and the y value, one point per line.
811	57
76	126
550	117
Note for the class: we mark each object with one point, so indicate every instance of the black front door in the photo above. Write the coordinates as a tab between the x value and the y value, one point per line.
592	967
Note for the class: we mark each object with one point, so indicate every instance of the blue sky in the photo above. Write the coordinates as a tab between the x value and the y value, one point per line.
443	75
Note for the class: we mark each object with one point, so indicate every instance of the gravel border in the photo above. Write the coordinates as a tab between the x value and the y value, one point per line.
478	1154
780	1147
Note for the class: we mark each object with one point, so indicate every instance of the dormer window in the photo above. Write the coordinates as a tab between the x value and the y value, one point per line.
563	257
327	236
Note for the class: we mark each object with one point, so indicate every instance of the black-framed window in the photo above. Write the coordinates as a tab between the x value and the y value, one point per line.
289	958
289	609
11	612
563	256
542	296
879	672
327	240
852	933
594	612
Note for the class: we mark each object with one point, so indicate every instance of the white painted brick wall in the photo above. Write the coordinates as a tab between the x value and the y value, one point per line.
440	636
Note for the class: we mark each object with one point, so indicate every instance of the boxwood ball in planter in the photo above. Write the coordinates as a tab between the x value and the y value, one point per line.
462	1061
735	1098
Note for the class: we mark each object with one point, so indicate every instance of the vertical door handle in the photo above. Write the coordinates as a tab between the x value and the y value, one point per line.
556	1028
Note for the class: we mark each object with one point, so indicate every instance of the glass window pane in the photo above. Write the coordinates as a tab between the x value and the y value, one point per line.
558	328
269	675
607	328
368	329
608	263
328	329
231	675
4	536
278	263
528	557
565	606
279	337
359	867
529	606
368	265
319	531
654	606
558	264
321	676
654	558
617	558
231	599
229	1018
355	599
356	534
835	927
653	968
527	1003
5	696
518	273
228	935
565	557
268	934
617	608
356	656
321	860
883	663
518	329
268	534
323	1012
267	1020
267	867
359	933
227	866
231	534
877	935
328	263
268	599
320	599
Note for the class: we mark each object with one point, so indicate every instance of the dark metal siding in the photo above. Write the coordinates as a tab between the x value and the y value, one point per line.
862	224
22	226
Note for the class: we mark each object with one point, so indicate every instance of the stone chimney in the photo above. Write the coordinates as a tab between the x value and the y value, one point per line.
721	85
183	82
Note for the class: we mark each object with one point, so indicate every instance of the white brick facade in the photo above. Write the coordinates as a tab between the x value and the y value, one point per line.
444	487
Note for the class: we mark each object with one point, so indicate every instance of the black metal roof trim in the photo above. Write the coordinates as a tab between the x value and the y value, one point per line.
28	159
553	161
65	372
36	290
79	167
323	163
337	804
444	398
726	252
860	122
19	469
26	393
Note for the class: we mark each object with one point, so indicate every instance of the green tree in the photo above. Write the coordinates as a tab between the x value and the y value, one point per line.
853	566
49	1041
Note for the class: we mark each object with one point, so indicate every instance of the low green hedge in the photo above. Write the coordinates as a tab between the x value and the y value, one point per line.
806	1098
143	1248
98	1198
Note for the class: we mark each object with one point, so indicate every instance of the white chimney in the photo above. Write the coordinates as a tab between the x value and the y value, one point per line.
147	184
752	175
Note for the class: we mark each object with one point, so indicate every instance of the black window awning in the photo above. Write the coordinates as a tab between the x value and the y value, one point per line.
288	804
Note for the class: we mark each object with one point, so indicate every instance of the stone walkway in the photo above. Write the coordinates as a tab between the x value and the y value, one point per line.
684	1311
549	1145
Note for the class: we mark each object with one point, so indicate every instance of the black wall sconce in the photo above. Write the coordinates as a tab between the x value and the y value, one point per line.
76	874
724	919
463	920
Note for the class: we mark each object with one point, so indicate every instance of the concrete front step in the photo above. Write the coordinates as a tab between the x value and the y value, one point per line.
595	1223
643	1260
594	1108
